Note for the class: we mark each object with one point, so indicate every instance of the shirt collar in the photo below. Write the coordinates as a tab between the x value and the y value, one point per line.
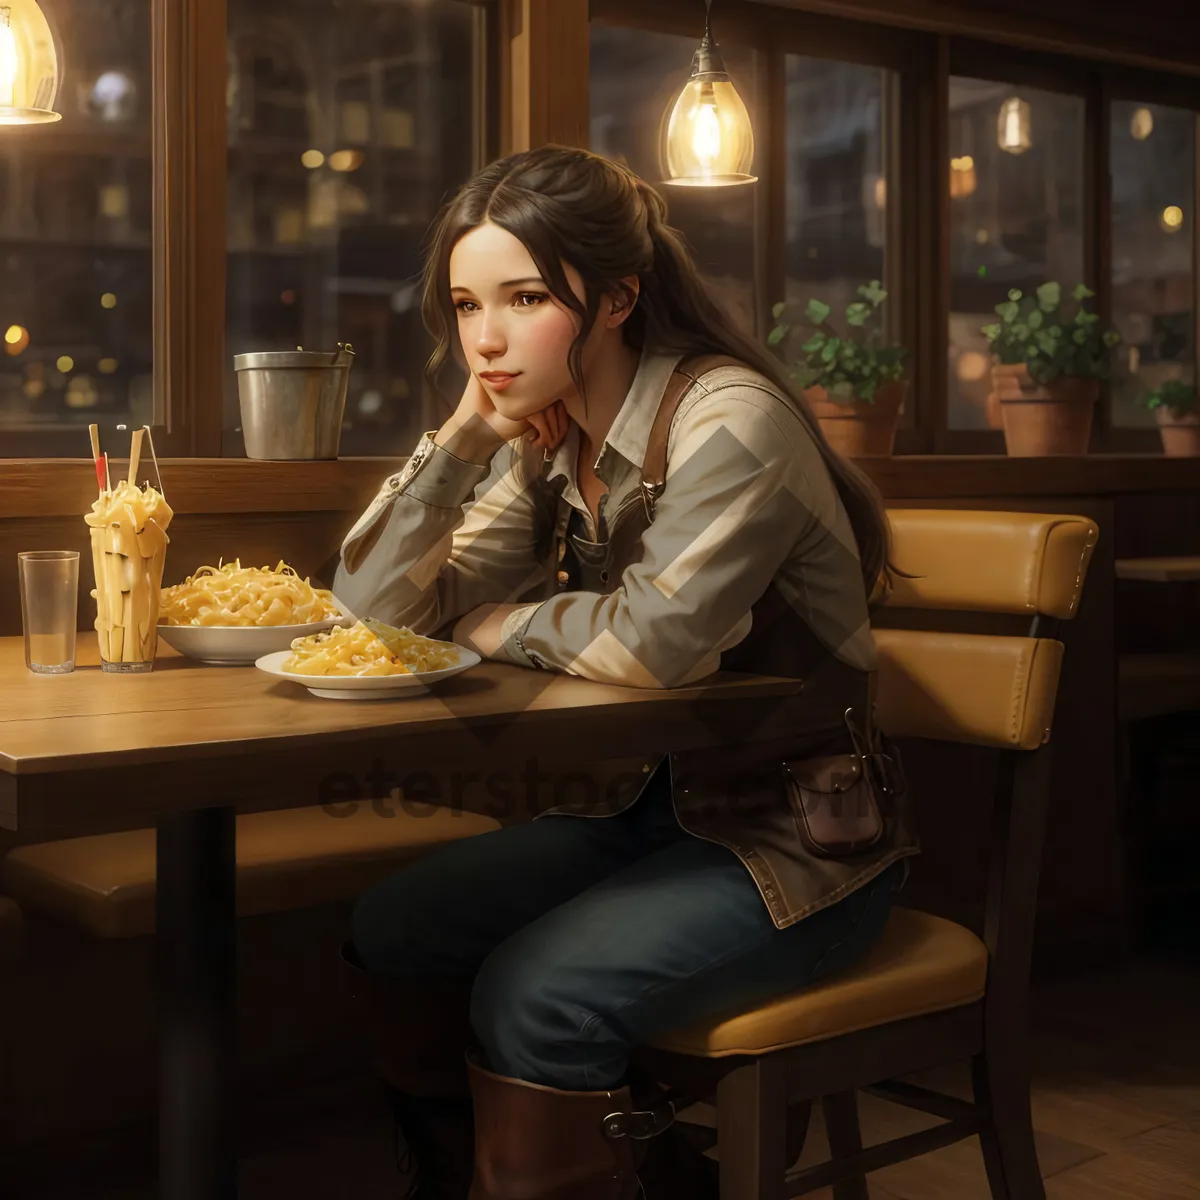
630	431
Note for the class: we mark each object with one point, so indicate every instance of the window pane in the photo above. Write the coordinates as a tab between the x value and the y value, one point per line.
75	258
1153	224
837	182
348	125
635	79
1016	217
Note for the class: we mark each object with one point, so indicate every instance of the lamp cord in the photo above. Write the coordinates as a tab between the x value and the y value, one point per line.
707	15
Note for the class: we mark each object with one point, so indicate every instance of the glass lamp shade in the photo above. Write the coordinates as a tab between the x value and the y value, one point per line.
710	141
1013	131
29	68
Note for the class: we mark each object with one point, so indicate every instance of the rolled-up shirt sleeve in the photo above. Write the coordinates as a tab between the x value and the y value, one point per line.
734	506
442	537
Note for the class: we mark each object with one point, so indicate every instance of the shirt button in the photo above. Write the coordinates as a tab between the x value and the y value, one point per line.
563	578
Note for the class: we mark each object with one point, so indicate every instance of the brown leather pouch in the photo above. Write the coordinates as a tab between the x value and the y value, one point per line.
838	799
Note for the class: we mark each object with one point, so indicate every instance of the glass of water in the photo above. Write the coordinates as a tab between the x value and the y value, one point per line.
49	608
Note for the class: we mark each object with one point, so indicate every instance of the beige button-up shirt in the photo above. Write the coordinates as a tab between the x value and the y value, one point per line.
748	503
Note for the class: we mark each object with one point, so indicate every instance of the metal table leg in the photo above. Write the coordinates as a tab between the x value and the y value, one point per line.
197	963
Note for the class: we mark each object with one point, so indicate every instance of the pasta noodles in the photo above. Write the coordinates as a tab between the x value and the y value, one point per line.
358	651
231	594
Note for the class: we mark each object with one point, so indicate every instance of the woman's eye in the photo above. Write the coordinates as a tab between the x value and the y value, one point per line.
465	306
529	299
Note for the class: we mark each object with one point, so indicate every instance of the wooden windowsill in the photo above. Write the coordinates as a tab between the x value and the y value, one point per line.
66	486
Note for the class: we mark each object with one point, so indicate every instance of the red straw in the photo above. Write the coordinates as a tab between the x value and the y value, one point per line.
100	471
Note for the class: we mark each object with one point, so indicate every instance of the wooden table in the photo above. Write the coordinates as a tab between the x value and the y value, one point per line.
1179	569
187	747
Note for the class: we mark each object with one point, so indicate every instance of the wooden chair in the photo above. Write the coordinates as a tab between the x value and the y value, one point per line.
930	992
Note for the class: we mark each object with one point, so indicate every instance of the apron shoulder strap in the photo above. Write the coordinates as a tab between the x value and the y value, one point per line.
685	375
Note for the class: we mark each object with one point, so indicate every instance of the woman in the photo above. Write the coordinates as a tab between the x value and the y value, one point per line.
604	502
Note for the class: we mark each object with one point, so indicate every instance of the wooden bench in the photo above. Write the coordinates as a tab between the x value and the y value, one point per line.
11	928
290	859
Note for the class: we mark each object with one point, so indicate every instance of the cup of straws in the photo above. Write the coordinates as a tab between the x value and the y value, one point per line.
128	525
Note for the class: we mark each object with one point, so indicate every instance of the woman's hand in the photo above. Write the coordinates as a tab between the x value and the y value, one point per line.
476	430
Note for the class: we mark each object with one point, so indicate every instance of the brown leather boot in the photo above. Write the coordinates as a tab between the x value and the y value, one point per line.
418	1031
540	1143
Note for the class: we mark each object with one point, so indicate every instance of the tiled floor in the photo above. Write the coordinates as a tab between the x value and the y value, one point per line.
1116	1103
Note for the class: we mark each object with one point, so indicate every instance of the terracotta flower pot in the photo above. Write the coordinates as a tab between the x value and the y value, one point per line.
1044	419
860	428
1180	432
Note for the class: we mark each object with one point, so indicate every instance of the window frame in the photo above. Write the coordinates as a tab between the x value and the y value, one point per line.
535	59
774	33
189	154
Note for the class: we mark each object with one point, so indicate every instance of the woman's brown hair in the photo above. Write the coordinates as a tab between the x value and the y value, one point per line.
572	206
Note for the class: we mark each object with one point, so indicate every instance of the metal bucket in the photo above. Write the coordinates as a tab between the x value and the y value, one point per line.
292	401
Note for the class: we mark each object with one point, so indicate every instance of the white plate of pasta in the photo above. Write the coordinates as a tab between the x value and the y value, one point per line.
367	661
232	615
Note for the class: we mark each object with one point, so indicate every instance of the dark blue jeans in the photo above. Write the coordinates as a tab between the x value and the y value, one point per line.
587	937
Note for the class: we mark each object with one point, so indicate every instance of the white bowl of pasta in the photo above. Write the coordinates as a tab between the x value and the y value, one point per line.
231	615
367	661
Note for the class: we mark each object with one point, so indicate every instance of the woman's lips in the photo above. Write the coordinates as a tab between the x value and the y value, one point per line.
497	380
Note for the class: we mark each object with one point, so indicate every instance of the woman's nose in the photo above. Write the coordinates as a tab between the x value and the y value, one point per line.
490	340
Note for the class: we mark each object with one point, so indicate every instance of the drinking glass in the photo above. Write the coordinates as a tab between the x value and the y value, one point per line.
49	608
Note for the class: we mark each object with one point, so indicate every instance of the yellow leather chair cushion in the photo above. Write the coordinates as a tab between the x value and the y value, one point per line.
921	964
290	859
10	929
999	562
967	687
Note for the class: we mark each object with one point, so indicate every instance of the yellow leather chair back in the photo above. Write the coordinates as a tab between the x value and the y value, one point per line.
991	690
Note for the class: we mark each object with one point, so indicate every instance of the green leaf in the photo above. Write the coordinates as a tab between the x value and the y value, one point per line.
814	343
857	314
1035	319
1014	294
776	335
1008	312
830	350
778	310
982	272
1112	338
1049	297
1080	337
991	332
816	312
1082	293
845	389
873	292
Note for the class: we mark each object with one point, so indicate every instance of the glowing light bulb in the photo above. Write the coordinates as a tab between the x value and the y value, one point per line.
1013	126
10	62
706	129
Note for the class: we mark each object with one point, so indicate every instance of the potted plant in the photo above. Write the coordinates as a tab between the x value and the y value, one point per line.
853	381
1049	368
1176	407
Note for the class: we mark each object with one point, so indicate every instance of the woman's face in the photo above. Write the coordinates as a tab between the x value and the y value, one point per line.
515	335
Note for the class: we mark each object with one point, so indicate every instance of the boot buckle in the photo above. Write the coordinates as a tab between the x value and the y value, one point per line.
641	1123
